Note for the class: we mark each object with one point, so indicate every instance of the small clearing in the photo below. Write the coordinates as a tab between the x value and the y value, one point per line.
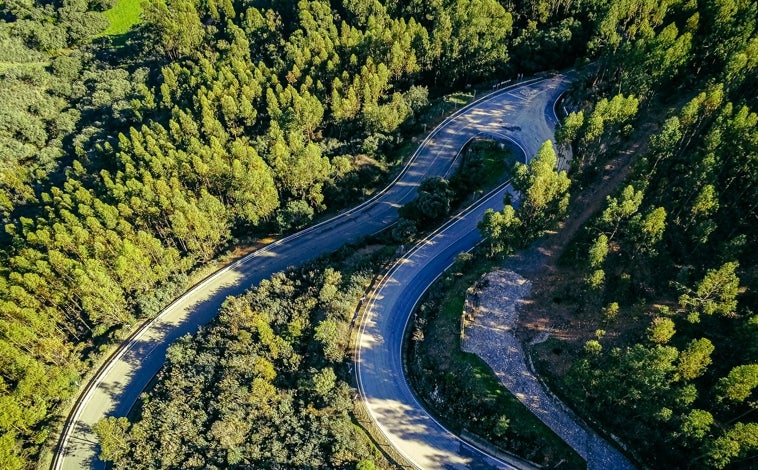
124	15
524	307
491	315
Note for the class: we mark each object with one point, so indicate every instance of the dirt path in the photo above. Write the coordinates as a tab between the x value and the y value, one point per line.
491	336
518	307
508	312
539	262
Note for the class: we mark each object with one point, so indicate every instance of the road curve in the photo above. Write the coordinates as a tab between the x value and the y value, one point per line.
379	368
119	382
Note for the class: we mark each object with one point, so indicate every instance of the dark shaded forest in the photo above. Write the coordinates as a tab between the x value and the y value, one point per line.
125	164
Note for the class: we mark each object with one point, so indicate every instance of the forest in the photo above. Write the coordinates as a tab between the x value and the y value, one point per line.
264	384
128	160
663	278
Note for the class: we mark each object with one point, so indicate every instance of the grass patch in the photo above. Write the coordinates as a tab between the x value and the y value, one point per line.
461	389
124	15
495	159
440	108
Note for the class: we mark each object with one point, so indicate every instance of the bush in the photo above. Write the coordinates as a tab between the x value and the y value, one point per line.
433	202
296	214
404	230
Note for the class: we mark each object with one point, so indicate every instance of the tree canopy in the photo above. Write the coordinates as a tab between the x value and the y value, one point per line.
127	161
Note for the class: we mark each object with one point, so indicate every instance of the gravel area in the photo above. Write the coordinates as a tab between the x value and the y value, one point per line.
491	313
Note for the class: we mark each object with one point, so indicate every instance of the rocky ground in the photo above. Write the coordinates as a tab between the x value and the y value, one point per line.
491	316
518	305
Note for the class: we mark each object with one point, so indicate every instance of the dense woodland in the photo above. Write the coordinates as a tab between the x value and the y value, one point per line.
262	386
125	167
669	262
125	164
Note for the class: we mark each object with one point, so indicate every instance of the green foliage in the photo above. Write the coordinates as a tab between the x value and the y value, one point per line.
10	454
175	25
598	252
645	232
739	385
715	294
570	127
544	200
593	347
674	236
328	334
560	43
122	168
695	359
661	330
596	279
544	191
610	312
595	132
251	391
404	231
641	46
696	424
501	426
365	465
501	230
434	201
417	98
296	214
737	441
123	16
324	381
112	434
466	38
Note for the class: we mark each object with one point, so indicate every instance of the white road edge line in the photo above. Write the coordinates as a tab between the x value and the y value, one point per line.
60	449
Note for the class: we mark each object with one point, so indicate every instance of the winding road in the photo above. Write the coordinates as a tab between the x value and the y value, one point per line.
522	113
407	426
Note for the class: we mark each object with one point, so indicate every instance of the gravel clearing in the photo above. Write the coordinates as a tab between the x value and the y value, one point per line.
490	317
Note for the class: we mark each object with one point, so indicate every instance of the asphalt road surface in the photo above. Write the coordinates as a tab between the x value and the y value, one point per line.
379	368
522	113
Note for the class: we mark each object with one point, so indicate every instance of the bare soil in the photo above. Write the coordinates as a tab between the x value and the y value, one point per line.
547	310
552	308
